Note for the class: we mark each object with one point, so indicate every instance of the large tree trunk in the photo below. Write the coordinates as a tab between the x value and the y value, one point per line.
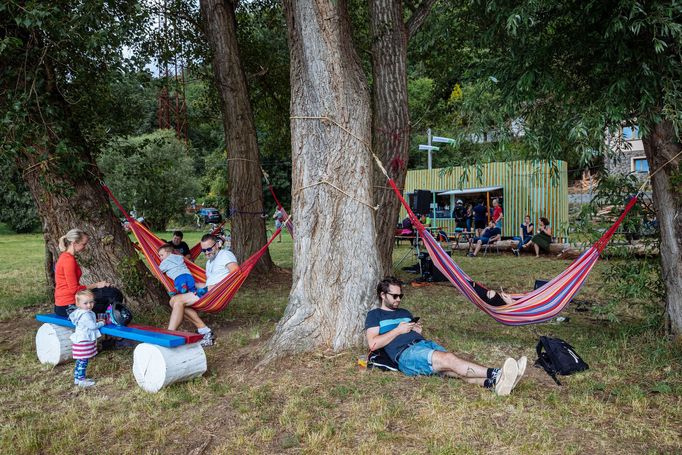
244	174
336	264
65	202
661	146
391	119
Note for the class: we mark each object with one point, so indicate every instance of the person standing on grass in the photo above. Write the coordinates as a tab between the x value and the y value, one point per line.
220	263
397	332
480	217
67	275
278	216
85	336
497	213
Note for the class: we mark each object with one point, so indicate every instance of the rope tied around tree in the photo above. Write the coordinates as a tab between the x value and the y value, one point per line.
325	182
328	120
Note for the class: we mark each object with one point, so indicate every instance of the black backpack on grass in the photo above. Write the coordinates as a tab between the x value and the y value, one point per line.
379	359
558	357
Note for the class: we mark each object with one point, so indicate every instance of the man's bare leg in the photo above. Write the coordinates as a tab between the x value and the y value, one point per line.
179	310
451	365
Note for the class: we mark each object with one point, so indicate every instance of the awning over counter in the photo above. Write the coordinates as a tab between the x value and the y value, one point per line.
484	189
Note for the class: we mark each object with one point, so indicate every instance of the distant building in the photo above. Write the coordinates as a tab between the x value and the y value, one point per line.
537	188
631	158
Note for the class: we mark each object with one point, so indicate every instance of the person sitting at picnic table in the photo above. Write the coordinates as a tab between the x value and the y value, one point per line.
406	227
220	263
525	235
400	335
67	275
542	239
490	235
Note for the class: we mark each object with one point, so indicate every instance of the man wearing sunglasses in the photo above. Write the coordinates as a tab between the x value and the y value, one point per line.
219	264
400	335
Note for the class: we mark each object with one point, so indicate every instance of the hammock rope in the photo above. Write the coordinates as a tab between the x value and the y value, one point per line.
220	294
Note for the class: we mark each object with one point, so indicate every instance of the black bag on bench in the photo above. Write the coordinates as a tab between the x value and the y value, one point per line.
559	358
379	359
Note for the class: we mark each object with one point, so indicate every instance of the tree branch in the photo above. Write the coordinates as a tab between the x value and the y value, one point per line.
418	17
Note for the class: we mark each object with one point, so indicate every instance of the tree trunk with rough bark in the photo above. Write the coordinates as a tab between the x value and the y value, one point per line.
65	203
244	173
660	146
336	264
391	119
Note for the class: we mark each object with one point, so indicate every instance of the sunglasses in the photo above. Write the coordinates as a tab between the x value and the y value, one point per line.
396	296
209	249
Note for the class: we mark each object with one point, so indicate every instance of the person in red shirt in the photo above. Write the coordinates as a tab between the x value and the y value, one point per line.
497	213
67	273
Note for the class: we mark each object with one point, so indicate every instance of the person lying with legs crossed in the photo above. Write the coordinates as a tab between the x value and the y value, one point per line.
394	329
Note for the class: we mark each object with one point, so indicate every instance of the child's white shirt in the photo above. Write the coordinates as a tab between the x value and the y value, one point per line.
87	327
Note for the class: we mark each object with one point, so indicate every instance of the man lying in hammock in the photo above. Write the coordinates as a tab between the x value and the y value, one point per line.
394	329
219	264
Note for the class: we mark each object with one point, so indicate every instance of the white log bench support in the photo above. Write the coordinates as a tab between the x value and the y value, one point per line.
155	367
53	344
163	357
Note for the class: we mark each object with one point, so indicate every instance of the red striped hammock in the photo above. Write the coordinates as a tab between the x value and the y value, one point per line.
220	294
536	306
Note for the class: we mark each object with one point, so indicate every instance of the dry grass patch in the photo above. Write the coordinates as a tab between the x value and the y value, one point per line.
628	402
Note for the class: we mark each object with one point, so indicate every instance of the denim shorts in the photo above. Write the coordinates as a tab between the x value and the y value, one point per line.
416	359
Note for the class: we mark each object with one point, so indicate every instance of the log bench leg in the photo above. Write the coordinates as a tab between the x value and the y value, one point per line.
155	367
53	344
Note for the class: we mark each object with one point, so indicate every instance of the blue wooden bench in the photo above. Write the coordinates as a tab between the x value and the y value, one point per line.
158	337
162	357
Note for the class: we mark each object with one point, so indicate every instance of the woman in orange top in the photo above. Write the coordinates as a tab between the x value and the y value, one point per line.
67	273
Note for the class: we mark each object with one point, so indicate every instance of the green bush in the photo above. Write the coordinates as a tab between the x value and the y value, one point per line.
18	209
152	174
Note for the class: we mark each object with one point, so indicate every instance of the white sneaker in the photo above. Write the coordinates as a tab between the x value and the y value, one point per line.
505	381
208	340
521	366
85	382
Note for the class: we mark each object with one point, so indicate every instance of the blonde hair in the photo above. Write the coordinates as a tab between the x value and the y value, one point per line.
84	294
168	248
74	235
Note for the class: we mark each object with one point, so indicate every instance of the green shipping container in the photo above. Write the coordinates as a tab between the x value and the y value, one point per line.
536	188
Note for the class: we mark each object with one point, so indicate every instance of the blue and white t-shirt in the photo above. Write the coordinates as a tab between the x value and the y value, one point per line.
388	320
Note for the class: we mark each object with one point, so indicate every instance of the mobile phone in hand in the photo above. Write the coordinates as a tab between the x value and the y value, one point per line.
415	320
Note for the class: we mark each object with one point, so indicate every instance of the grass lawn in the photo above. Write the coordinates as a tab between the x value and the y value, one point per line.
628	402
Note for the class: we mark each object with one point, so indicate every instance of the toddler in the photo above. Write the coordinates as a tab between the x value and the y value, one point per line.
85	336
173	265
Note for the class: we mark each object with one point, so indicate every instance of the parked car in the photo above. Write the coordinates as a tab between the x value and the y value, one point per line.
209	215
